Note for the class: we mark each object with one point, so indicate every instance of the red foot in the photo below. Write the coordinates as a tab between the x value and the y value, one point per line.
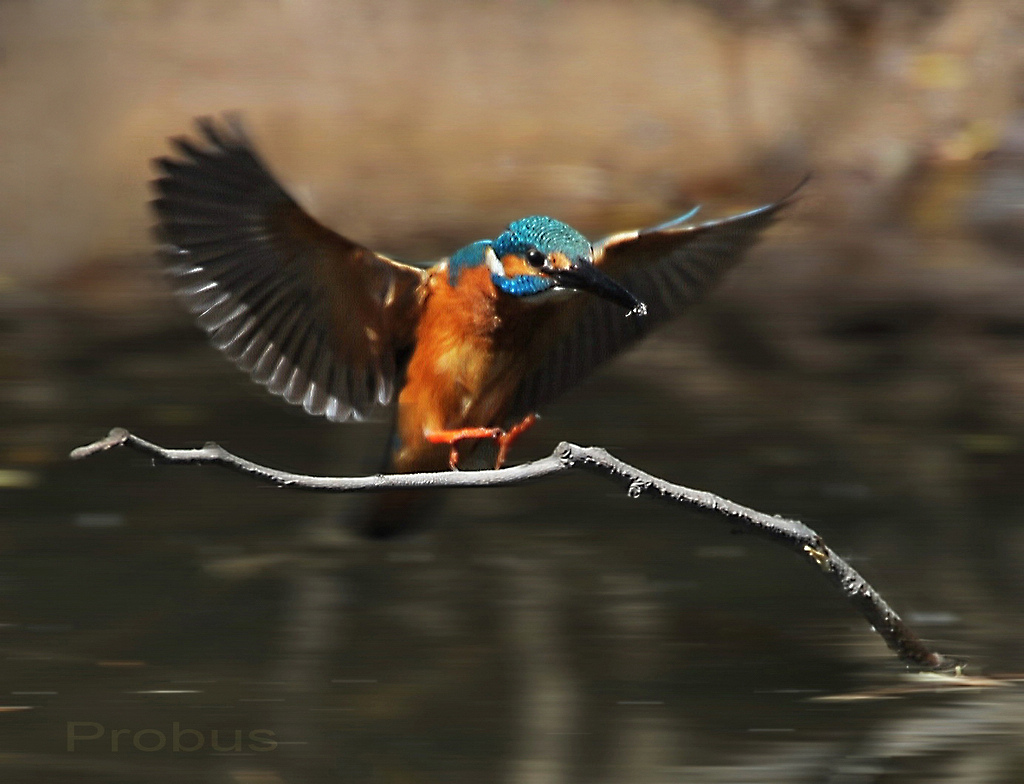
504	439
452	438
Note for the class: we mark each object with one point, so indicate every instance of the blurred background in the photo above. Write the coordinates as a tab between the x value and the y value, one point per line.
863	371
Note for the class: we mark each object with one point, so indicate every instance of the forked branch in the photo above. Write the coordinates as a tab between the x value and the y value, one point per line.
798	537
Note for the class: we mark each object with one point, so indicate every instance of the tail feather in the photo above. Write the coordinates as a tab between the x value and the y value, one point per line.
398	512
395	513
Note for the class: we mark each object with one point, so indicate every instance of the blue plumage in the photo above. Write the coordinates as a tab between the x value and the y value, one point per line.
463	258
522	285
543	233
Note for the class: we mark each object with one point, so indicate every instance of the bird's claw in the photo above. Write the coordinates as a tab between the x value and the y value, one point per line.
507	438
452	438
503	438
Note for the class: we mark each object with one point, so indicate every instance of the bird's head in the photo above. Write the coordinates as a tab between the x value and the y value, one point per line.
540	254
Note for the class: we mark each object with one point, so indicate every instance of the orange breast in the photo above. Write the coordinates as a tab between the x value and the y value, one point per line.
462	373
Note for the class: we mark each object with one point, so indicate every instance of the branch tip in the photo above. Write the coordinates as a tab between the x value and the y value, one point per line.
116	437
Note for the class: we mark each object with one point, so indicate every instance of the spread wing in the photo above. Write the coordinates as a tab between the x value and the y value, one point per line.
668	267
309	314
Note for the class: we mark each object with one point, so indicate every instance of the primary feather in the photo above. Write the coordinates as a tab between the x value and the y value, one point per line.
668	267
314	317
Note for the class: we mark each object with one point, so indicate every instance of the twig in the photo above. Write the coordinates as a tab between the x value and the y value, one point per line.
789	533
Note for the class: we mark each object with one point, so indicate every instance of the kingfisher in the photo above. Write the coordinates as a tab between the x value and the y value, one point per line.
472	345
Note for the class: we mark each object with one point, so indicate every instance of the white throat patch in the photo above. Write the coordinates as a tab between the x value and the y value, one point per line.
494	263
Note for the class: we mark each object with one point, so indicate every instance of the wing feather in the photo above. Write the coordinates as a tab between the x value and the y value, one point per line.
668	267
311	315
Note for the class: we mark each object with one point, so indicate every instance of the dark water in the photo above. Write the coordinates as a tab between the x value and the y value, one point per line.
559	632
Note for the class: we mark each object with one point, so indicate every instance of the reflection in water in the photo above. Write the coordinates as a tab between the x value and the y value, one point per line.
548	694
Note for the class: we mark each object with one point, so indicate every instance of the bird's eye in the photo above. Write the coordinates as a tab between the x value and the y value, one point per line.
535	258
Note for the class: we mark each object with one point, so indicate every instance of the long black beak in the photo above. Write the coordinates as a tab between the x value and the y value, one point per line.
584	276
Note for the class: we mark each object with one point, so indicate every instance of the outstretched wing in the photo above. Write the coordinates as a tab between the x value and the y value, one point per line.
668	267
311	315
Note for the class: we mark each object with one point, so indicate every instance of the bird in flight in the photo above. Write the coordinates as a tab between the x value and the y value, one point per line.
472	346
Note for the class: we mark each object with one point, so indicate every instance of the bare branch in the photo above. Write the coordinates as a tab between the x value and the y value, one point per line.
790	533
